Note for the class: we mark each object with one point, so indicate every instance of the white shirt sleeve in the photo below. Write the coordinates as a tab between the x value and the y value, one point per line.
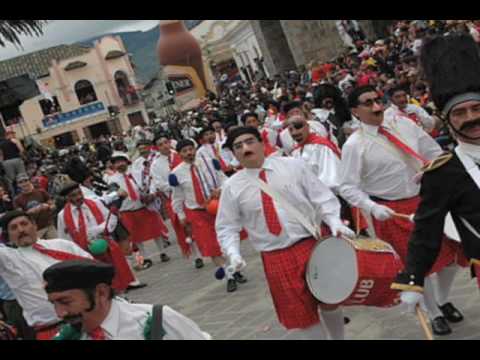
179	327
178	199
351	175
326	165
61	228
428	122
228	224
428	147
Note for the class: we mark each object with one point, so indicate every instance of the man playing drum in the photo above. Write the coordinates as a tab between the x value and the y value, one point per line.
379	164
284	243
453	182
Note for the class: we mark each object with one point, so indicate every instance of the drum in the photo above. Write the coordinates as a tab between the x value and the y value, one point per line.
354	272
450	229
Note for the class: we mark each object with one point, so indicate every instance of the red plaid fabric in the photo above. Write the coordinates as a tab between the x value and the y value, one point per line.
271	216
397	231
199	196
130	189
285	272
179	231
143	225
48	334
203	232
123	273
401	145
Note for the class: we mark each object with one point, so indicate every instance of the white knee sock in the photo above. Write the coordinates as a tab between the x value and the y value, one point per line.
334	323
444	283
160	245
195	252
314	332
429	297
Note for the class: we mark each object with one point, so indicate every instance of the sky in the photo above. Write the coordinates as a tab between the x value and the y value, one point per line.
59	32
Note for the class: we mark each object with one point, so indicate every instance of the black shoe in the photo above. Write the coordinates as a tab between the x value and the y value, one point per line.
135	287
164	258
166	243
440	326
451	313
231	285
346	320
239	278
199	263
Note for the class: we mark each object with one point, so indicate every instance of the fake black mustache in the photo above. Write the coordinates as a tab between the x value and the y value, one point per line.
72	319
470	124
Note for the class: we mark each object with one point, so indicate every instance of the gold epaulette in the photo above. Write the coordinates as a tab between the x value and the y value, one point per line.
438	162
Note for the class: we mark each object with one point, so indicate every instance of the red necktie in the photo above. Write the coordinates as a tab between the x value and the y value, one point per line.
131	191
271	216
199	197
97	334
57	254
82	229
401	145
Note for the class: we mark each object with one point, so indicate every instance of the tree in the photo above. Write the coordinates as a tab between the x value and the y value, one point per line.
11	29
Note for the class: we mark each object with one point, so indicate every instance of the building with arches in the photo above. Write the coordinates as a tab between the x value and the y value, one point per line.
84	96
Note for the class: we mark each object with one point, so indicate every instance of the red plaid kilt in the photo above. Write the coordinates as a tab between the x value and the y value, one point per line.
203	232
143	225
47	334
285	272
397	231
179	231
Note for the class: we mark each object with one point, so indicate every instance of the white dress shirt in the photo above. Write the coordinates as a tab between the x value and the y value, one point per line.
22	270
128	204
137	170
209	178
428	122
93	229
324	163
473	151
288	144
373	166
126	321
105	198
159	171
241	205
206	151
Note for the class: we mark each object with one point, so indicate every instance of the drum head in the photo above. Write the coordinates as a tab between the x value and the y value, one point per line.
332	271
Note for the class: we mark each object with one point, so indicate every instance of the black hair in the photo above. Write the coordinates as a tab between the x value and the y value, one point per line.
247	115
395	89
239	132
356	93
291	105
184	143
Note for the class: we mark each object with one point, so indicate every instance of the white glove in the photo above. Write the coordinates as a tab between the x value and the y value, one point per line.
189	240
237	262
95	231
339	229
411	299
381	212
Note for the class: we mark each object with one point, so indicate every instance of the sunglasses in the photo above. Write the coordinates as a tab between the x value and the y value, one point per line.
370	102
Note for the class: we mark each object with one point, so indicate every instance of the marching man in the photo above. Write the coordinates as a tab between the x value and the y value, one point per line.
284	243
142	223
452	182
380	162
84	220
196	182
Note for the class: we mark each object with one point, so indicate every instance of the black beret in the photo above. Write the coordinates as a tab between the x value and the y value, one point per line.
184	143
69	187
11	215
205	129
143	142
232	135
77	274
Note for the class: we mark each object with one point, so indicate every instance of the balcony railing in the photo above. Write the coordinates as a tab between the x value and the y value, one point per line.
130	98
82	112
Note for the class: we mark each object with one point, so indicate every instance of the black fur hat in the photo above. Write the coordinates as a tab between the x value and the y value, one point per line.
451	66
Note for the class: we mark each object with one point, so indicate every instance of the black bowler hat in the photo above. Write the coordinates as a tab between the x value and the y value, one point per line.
77	274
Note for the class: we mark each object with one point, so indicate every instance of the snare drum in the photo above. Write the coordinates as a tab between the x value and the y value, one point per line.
354	272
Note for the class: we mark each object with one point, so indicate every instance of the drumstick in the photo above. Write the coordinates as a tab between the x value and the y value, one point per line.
423	322
358	221
403	216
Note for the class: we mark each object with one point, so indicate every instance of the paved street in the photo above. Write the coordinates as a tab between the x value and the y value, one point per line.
248	313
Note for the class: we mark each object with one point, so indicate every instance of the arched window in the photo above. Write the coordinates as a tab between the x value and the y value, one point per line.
85	92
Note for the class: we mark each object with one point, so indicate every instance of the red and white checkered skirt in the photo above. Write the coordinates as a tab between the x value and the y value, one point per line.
143	225
397	231
203	232
285	272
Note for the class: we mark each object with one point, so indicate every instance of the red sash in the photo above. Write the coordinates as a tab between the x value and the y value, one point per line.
223	166
81	238
174	160
269	149
411	116
319	140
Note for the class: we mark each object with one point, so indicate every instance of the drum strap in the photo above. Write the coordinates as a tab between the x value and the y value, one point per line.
474	173
291	210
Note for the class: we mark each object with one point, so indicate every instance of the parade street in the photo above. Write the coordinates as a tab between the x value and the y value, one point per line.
248	313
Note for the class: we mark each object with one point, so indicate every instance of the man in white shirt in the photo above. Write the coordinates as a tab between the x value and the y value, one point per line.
284	243
142	223
86	221
380	164
22	267
269	136
196	184
81	292
401	107
209	149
